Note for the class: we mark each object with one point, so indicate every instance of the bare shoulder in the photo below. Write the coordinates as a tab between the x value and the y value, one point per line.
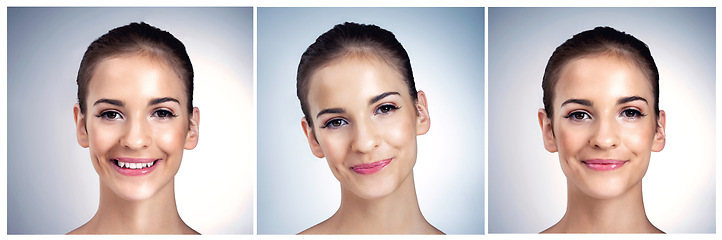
321	228
553	229
435	230
81	230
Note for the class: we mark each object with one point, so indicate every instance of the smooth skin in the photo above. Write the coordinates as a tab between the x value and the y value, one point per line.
136	108
363	113
603	109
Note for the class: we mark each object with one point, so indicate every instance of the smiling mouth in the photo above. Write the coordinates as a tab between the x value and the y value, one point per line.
603	164
371	168
130	165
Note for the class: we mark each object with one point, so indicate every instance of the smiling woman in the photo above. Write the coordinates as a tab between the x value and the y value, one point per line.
136	117
601	114
363	113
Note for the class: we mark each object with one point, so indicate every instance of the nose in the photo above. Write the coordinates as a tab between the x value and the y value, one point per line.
366	138
137	135
605	136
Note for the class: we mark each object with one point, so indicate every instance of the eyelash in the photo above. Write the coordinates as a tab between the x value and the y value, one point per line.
157	113
389	108
636	114
335	123
340	122
576	114
105	114
168	114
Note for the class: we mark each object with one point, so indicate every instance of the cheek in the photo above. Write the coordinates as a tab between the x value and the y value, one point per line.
399	131
569	140
334	145
170	139
102	138
638	138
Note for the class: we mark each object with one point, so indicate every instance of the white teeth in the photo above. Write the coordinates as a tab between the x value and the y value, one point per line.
135	165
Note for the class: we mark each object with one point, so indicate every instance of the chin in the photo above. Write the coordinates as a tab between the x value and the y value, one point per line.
605	189
136	190
372	194
371	190
133	192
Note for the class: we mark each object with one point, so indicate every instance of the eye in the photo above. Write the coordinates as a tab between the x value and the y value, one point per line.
335	123
578	116
386	108
110	115
163	113
632	113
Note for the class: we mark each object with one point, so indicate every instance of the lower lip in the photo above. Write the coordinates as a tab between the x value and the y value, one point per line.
135	172
603	165
370	168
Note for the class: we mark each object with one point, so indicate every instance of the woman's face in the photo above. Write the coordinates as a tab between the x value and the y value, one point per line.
604	125
365	124
136	125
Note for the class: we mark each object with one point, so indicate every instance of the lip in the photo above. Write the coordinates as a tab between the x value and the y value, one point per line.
135	172
603	164
370	168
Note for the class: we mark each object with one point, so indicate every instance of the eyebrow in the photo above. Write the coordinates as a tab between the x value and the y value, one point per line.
382	96
631	99
121	104
109	101
372	101
330	110
162	100
620	101
577	101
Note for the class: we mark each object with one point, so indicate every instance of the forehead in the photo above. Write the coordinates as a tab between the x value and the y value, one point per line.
359	77
134	76
601	77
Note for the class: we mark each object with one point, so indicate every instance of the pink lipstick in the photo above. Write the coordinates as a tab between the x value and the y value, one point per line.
603	164
371	168
134	166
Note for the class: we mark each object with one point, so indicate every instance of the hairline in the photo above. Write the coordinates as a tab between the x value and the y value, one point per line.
607	50
364	53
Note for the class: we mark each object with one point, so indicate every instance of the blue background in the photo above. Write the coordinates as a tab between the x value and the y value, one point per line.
446	45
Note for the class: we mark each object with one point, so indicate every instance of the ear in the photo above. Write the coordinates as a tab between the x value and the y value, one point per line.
660	136
545	123
423	120
192	135
312	142
80	131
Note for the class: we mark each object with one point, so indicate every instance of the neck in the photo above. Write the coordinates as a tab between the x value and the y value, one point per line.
155	215
621	214
396	213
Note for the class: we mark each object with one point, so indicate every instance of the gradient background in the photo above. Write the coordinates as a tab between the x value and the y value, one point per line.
52	186
527	189
296	190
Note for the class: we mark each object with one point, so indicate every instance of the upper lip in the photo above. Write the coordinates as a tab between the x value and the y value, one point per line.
603	161
136	160
371	165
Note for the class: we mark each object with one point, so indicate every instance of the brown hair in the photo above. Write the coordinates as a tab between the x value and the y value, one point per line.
600	40
347	39
136	38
